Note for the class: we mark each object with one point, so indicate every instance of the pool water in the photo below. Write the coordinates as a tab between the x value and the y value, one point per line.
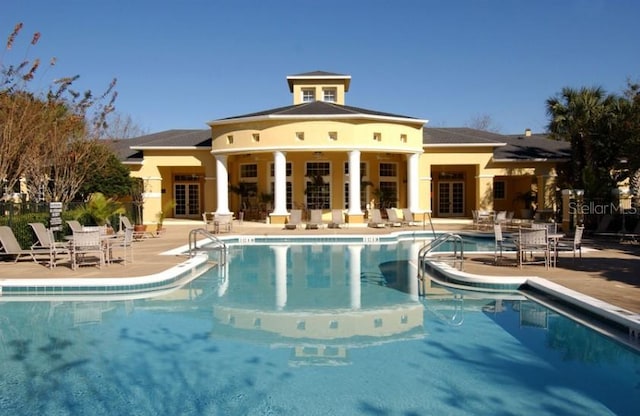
309	330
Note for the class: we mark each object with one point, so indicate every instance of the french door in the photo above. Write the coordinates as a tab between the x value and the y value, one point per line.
187	198
450	198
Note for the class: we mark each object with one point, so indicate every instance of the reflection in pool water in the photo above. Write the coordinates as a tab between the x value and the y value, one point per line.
309	330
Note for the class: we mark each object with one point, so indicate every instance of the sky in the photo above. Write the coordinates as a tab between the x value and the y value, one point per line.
180	64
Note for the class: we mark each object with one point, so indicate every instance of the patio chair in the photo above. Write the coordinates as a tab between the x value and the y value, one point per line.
315	220
87	248
222	222
531	242
11	246
337	219
501	243
208	219
392	216
125	242
574	245
375	220
46	240
295	219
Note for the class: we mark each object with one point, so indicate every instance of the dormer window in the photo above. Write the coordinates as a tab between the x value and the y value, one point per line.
329	95
308	95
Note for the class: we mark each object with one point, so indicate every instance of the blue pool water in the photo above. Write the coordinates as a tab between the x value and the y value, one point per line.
295	329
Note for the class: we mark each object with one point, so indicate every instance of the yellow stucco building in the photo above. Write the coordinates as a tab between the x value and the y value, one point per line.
321	153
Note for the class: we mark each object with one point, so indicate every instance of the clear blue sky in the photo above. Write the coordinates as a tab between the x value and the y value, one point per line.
182	63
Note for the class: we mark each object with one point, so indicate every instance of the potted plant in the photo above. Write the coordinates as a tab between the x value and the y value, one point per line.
160	216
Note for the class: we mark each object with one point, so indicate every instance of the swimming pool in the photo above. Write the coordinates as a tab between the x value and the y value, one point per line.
301	329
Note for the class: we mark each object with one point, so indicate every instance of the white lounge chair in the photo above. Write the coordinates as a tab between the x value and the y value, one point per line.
295	219
46	240
408	217
315	220
337	219
392	217
375	220
11	247
500	244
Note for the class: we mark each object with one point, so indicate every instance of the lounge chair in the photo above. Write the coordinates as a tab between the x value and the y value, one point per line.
375	220
74	225
407	216
46	240
11	246
295	219
392	216
315	221
137	235
337	219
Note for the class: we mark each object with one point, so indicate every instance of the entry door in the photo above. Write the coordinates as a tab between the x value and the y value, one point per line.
451	199
187	198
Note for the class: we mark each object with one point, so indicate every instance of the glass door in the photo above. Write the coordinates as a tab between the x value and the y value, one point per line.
187	198
451	199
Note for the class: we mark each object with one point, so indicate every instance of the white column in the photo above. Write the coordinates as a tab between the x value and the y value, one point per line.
280	184
413	183
354	183
222	185
354	276
280	253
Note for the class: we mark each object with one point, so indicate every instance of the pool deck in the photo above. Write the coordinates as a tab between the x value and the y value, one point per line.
609	270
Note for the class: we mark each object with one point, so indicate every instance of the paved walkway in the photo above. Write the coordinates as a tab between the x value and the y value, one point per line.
609	271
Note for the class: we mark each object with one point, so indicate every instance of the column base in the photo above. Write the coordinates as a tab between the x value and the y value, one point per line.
354	218
278	218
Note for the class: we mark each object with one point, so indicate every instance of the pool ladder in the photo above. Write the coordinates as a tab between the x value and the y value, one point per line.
215	244
456	257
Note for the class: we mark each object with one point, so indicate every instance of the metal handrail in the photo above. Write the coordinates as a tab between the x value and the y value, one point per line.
216	244
457	257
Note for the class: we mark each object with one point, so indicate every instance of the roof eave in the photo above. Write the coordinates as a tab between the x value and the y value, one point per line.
464	144
315	117
537	159
170	147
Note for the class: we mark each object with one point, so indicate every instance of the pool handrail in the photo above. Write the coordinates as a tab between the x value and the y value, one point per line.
217	244
457	257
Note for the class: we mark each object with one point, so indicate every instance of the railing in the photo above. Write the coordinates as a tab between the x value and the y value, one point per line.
454	256
215	244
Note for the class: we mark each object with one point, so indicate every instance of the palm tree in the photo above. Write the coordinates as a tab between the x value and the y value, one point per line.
586	118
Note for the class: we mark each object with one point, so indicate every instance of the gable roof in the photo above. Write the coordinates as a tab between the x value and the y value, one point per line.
320	109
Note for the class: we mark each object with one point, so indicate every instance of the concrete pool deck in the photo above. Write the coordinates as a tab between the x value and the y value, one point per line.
609	271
